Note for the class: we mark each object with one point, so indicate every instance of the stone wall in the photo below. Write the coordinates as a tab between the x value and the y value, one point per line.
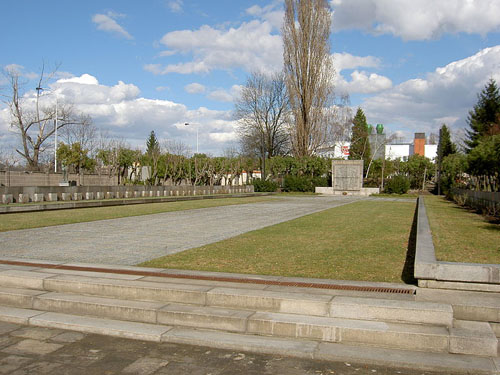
26	194
20	178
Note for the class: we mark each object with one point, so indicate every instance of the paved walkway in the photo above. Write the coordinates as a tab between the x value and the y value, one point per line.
132	240
36	350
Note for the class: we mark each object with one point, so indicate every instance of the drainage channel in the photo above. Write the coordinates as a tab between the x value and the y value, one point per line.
214	278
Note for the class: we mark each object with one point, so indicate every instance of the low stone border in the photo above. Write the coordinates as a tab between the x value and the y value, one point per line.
428	268
116	202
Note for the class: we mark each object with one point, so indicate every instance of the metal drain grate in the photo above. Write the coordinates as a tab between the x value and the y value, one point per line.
216	278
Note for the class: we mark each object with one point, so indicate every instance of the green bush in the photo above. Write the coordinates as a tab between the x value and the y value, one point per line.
264	185
397	185
303	183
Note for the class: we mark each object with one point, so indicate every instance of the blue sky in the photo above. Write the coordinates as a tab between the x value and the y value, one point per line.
156	64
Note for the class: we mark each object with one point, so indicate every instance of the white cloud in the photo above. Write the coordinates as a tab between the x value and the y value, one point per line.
417	19
124	114
195	88
363	83
251	46
222	95
345	60
175	5
106	22
445	95
272	13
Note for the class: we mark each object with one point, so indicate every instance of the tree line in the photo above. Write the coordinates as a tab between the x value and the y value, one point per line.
475	165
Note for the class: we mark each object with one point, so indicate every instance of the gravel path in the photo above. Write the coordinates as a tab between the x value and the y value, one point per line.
129	241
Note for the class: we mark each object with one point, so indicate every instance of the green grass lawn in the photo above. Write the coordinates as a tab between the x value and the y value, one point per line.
365	240
460	235
26	220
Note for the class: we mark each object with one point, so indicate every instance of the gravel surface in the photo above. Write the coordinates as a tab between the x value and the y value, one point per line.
132	240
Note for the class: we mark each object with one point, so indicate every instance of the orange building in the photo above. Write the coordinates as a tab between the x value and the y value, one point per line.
419	144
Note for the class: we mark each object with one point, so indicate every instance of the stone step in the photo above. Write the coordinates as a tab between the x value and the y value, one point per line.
382	334
137	311
392	311
258	344
467	305
19	297
300	348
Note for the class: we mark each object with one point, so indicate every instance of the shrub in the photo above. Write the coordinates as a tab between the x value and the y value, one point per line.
303	183
397	185
264	185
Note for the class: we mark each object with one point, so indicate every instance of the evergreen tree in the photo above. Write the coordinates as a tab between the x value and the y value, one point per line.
482	120
360	144
445	147
152	145
152	156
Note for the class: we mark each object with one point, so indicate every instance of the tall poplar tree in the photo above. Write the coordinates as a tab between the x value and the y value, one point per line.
308	71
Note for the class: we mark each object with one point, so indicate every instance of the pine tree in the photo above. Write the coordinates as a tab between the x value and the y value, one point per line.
360	145
152	156
484	116
152	145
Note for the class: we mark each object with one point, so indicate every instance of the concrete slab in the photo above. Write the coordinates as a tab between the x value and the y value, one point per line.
235	341
129	289
392	311
16	297
467	305
17	315
476	338
137	311
293	303
133	330
204	317
406	359
401	336
23	279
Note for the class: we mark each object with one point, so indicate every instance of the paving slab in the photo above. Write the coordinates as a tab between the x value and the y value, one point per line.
117	241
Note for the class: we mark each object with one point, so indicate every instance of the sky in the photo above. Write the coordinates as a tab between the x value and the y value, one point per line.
138	66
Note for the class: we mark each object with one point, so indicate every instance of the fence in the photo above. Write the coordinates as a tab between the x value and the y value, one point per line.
20	178
482	200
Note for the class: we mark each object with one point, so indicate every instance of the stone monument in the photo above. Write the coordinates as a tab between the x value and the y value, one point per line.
347	179
347	175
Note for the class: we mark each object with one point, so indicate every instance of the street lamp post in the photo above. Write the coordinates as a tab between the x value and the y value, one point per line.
187	124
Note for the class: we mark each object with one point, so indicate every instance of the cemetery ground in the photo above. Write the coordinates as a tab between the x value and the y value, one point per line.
15	221
367	240
461	235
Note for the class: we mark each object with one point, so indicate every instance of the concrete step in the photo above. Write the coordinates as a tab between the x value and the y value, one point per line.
392	311
299	348
467	305
381	334
251	321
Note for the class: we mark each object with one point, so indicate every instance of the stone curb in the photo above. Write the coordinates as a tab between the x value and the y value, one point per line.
428	268
118	202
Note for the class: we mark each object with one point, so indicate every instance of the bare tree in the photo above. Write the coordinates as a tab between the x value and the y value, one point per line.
84	133
308	70
262	111
35	123
339	121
